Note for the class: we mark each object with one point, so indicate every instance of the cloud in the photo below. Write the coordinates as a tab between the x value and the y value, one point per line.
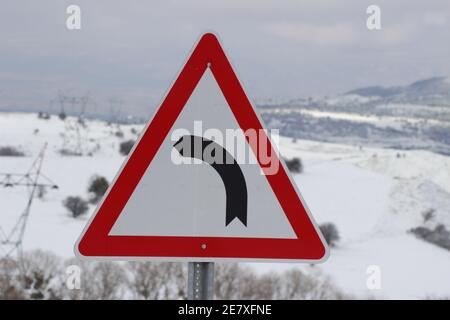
437	19
396	35
317	34
280	49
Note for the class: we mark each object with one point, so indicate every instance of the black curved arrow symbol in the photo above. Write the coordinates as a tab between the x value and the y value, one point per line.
227	168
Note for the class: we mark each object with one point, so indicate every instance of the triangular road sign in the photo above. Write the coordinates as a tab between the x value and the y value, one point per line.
159	208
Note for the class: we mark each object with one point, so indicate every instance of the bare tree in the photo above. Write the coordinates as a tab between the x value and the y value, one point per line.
428	215
97	187
232	281
99	280
177	273
294	165
296	285
330	233
153	280
125	147
42	276
109	280
38	276
10	288
145	280
263	287
76	205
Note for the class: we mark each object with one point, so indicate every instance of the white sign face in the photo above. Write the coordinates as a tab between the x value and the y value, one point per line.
190	199
204	182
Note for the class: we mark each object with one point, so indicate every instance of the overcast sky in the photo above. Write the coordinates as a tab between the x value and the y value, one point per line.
132	50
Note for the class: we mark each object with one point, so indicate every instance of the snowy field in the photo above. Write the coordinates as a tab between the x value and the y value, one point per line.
374	196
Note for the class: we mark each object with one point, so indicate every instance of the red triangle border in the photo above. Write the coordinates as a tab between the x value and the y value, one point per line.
95	241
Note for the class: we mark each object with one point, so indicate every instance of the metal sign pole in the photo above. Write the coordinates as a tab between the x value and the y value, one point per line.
201	280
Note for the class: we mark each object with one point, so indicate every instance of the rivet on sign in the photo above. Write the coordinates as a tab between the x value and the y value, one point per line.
203	246
208	64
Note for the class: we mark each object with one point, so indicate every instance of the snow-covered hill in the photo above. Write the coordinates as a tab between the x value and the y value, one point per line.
373	195
433	91
416	116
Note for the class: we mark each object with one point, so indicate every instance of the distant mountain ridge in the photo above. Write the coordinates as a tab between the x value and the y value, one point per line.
432	91
415	116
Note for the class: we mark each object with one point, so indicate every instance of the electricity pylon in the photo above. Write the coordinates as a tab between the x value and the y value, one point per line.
33	179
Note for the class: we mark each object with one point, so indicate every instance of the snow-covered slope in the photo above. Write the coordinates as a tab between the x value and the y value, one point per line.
374	196
416	116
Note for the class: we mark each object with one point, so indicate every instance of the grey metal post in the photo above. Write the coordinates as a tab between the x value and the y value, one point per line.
201	280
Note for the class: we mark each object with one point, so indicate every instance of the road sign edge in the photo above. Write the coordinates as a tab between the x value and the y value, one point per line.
79	254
